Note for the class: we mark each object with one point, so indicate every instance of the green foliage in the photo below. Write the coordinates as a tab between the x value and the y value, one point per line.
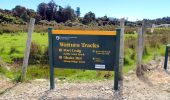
13	50
12	47
71	75
51	10
1	32
35	53
23	13
5	18
41	9
15	46
68	14
88	18
6	72
65	14
128	57
78	12
146	50
12	74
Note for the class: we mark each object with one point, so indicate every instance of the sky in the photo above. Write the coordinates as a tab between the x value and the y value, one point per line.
129	9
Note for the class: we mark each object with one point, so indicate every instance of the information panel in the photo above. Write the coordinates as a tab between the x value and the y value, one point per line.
95	51
90	50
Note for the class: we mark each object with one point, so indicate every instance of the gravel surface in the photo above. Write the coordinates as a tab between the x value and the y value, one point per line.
155	85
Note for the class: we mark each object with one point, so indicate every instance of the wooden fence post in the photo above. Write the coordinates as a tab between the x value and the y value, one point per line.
121	63
139	52
153	27
166	57
143	34
27	49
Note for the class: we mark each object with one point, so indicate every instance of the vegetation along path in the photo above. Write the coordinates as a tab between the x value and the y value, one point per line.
154	85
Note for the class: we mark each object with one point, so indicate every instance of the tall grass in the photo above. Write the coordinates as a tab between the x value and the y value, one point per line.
12	49
15	28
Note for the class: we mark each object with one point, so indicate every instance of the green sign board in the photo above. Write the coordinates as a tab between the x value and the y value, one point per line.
90	50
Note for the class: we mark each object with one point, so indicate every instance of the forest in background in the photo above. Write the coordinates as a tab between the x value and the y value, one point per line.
53	14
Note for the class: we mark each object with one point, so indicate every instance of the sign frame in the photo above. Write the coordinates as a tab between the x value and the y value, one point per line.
78	32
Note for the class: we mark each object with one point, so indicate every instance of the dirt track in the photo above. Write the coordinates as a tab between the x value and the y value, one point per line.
155	85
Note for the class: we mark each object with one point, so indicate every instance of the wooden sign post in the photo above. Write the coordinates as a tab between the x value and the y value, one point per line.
90	50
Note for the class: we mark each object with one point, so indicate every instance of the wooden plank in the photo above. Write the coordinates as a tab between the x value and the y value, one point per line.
27	49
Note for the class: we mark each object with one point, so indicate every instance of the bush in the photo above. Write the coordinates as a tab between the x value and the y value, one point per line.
43	22
45	57
35	53
1	32
129	57
2	50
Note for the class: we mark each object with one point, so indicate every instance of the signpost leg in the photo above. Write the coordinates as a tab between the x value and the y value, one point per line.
52	78
116	69
52	85
166	57
116	77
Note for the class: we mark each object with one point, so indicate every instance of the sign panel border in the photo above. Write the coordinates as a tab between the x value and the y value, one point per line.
84	32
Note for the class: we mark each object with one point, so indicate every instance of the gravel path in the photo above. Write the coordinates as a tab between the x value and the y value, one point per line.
155	85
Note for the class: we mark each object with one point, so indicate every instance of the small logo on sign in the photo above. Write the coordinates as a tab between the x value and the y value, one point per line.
57	37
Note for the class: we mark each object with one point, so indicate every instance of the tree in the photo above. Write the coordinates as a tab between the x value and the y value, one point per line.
20	12
31	13
38	18
68	14
88	18
103	21
78	12
41	10
58	17
51	10
65	14
104	18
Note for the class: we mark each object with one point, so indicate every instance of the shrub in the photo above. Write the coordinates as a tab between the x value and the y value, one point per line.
2	50
145	50
45	57
35	53
129	57
1	32
43	22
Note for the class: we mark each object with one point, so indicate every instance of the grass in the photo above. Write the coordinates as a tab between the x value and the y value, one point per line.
70	75
13	46
13	74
